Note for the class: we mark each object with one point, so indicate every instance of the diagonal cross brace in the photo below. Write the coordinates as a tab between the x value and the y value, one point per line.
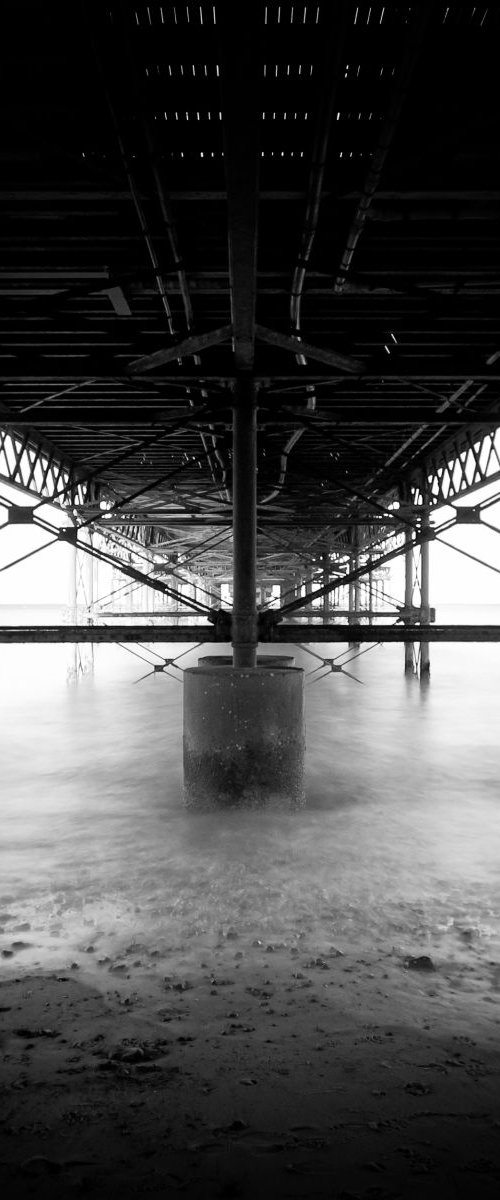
188	346
296	345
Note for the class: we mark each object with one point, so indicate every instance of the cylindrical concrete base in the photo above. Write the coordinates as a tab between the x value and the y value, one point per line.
244	737
263	660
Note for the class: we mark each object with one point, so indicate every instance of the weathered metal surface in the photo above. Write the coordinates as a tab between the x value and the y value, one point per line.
286	634
296	345
244	627
182	349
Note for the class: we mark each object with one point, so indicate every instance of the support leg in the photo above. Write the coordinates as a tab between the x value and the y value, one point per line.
409	647
244	524
326	579
425	658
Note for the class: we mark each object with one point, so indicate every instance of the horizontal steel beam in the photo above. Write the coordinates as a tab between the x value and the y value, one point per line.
357	414
286	634
31	368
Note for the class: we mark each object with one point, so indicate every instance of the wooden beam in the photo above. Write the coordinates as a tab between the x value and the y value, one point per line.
239	26
296	345
188	346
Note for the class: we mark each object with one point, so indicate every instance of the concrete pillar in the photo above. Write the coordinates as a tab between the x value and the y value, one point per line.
243	738
263	660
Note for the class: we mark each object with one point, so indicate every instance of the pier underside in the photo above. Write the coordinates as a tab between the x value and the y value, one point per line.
249	311
249	362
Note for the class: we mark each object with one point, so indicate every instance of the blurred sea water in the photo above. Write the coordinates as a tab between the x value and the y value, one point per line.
398	843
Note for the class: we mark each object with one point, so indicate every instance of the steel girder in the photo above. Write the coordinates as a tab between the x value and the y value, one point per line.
459	467
34	466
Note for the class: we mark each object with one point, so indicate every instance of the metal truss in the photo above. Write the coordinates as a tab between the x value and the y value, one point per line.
34	466
462	465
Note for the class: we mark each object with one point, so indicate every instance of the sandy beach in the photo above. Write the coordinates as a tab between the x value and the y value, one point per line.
292	1068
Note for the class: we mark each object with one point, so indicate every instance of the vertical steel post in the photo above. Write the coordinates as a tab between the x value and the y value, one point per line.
89	586
425	658
245	524
408	597
309	584
370	589
354	586
357	582
74	655
326	579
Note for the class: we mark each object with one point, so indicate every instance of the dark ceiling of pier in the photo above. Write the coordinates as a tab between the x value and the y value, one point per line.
305	191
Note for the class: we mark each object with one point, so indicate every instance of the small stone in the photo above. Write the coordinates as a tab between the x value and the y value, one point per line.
420	963
135	1054
39	1165
415	1088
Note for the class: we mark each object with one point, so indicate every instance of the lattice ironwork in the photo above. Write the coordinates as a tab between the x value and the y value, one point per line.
27	463
458	468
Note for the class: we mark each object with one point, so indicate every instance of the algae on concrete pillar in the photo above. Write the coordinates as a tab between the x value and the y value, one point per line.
244	737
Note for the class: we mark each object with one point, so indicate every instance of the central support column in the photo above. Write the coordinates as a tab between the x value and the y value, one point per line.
244	637
243	724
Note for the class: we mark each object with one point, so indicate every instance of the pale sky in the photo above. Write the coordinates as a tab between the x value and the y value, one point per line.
45	578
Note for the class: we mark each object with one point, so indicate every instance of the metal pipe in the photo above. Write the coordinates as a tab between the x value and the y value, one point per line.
244	634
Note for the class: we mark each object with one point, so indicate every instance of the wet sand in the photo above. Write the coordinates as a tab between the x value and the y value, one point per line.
293	1068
